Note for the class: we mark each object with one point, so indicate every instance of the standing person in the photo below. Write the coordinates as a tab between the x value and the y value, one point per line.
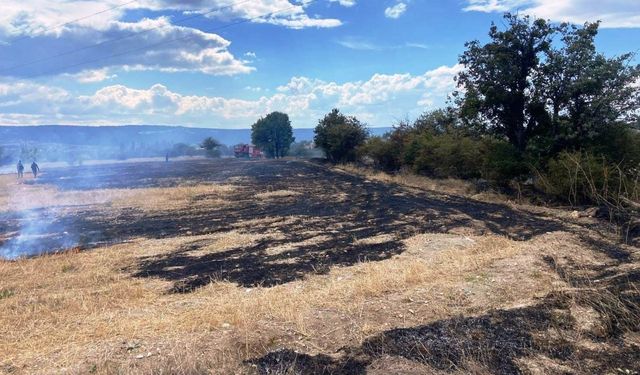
35	169
20	169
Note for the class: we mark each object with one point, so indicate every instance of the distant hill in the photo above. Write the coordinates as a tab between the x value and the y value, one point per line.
73	144
126	134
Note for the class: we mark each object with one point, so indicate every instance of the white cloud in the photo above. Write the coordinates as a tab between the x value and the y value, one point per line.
612	13
172	49
147	44
362	44
92	76
36	17
345	3
380	100
359	44
395	11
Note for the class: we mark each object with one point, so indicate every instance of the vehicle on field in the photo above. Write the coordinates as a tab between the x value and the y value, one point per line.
246	151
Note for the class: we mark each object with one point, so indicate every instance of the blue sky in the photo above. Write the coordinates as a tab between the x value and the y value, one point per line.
225	63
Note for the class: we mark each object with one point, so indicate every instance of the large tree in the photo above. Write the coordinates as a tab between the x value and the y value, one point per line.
339	136
273	134
524	84
499	76
587	93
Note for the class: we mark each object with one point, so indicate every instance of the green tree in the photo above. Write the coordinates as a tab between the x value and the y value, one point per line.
588	92
340	136
564	95
273	134
211	147
499	79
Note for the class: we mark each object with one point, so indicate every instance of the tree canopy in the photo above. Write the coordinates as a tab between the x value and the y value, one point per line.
273	134
211	147
537	80
339	136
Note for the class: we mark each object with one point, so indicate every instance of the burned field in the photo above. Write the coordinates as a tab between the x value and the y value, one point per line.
293	267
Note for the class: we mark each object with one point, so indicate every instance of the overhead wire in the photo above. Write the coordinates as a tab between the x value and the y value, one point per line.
76	20
246	20
128	36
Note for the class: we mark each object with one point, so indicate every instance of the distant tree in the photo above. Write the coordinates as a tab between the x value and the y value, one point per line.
210	147
273	134
182	149
340	136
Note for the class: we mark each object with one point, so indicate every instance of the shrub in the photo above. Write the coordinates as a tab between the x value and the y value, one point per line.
581	177
502	162
447	155
385	154
339	136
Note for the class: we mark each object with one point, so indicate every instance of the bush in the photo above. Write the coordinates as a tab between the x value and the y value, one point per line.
211	147
502	162
339	136
584	178
447	155
385	154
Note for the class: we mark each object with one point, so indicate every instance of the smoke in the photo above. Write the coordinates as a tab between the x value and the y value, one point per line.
33	230
36	234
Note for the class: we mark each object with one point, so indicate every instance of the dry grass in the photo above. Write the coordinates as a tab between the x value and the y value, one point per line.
16	196
73	308
86	313
277	194
447	186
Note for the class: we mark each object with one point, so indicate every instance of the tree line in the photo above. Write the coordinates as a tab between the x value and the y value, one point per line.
535	105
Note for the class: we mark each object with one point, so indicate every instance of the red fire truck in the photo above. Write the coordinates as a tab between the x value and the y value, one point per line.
247	152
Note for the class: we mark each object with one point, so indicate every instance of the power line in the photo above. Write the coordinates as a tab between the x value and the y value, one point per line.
163	42
42	31
70	52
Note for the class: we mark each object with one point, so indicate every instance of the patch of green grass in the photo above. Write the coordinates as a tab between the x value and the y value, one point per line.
6	293
68	268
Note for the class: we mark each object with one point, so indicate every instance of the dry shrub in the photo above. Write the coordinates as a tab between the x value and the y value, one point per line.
583	178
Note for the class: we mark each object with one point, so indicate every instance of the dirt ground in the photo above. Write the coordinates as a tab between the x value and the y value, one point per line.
288	267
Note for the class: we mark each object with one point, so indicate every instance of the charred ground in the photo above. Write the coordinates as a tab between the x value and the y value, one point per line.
308	220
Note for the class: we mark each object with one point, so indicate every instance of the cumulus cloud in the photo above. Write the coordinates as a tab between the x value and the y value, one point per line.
612	13
36	17
143	44
379	100
171	48
92	76
395	11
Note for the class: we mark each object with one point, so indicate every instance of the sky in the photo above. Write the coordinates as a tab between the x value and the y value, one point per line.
226	63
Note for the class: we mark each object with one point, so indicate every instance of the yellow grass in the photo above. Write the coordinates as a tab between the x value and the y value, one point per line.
447	186
18	196
87	313
66	306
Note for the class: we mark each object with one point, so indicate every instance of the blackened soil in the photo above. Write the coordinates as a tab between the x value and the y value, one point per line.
333	211
502	340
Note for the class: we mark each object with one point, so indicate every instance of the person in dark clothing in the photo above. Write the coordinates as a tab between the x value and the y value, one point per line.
35	169
20	169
